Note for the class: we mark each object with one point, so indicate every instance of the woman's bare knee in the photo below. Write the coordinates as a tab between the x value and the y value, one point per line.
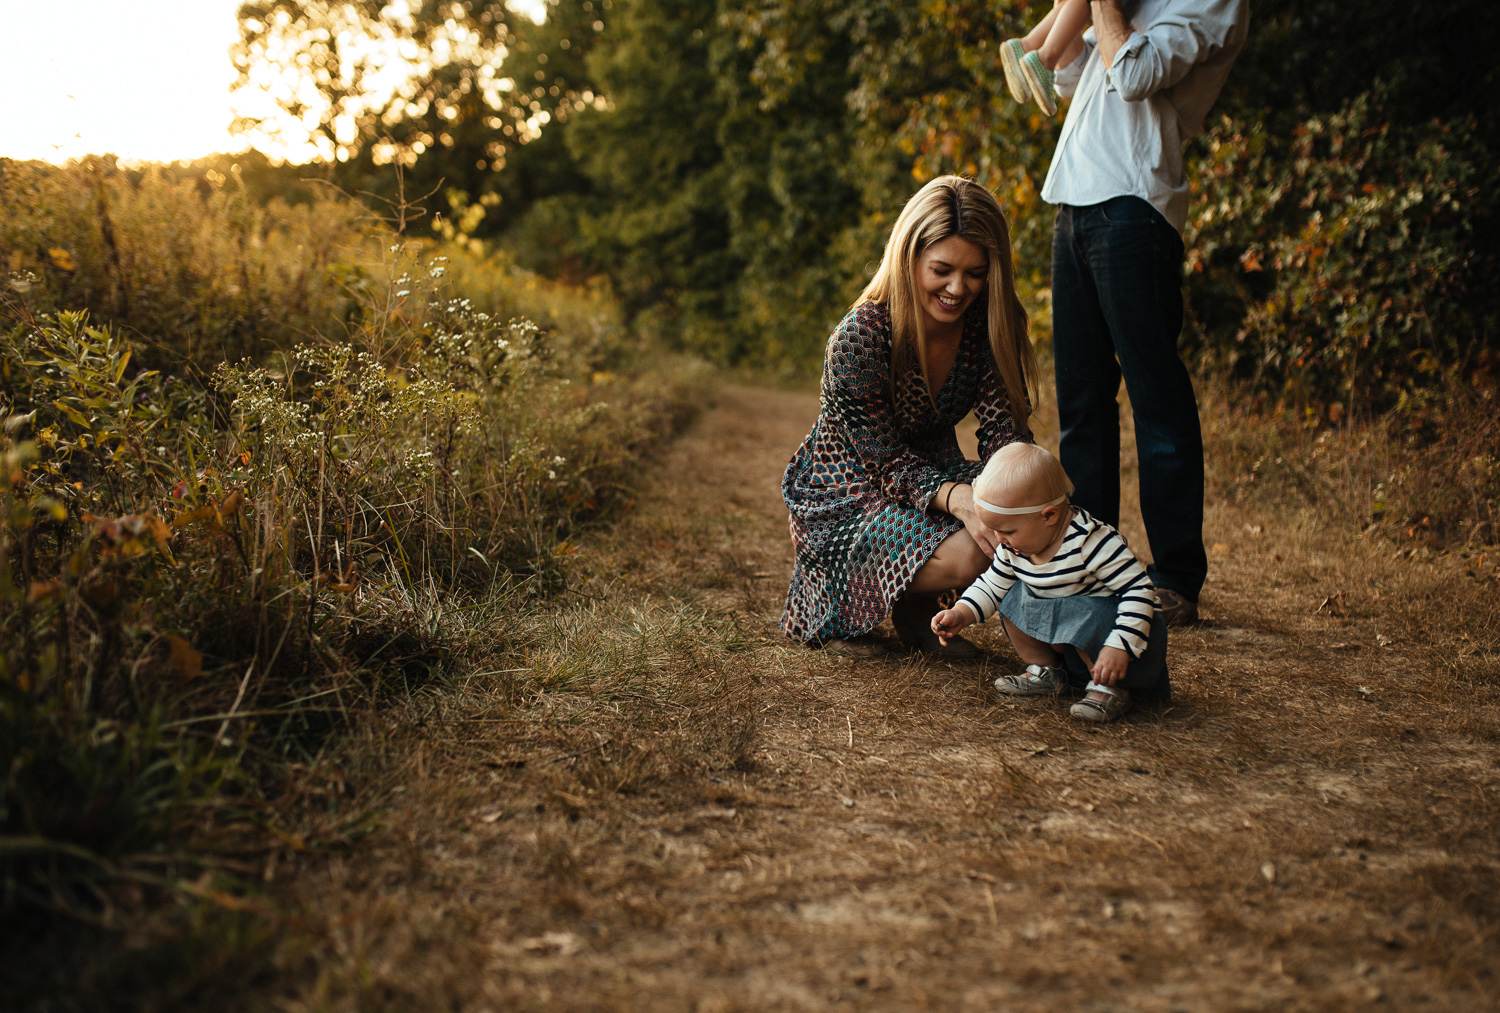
955	563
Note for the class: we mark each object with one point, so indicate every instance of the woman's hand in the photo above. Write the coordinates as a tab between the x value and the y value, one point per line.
960	503
1110	666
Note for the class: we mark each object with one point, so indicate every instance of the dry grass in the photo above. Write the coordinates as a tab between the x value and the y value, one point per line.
662	805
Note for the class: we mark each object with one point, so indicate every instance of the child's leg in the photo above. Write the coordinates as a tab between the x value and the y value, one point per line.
1060	44
1038	35
1031	650
1043	676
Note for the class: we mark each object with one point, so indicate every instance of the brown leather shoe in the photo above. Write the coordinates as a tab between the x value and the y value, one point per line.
1176	609
912	616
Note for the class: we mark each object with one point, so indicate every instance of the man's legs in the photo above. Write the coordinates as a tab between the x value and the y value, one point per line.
1133	258
1087	375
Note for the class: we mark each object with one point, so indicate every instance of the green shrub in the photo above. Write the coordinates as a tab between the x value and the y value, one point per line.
1342	263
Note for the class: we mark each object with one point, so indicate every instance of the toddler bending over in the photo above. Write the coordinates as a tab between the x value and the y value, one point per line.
1072	597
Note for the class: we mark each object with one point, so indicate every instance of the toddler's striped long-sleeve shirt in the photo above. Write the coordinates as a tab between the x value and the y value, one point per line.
1092	560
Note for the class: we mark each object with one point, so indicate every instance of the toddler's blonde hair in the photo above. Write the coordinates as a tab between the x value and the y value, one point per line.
1022	474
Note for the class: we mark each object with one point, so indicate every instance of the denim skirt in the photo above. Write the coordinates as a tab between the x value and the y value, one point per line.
1085	622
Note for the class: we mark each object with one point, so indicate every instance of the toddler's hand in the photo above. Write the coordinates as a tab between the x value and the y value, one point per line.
949	621
1109	668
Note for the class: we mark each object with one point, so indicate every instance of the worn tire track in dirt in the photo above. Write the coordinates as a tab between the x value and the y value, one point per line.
1310	825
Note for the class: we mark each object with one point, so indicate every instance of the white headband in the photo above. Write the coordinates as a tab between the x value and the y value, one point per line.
992	508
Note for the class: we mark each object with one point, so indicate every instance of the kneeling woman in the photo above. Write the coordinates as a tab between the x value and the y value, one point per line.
880	495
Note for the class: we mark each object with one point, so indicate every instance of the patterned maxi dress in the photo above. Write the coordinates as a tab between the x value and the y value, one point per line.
859	486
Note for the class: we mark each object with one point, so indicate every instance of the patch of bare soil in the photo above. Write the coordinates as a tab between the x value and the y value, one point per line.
707	817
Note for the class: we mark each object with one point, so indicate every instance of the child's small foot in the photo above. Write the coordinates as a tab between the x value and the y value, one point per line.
1011	55
1041	81
1101	704
1037	680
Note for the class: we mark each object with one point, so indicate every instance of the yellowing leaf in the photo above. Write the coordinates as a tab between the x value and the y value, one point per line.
71	412
160	534
232	504
42	589
185	662
193	516
62	259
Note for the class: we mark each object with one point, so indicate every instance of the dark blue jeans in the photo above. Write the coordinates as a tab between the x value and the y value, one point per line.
1117	311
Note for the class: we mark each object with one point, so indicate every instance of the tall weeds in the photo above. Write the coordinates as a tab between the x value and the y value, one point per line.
194	271
209	568
1423	474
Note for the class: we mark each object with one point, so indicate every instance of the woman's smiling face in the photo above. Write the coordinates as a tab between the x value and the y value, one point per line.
951	274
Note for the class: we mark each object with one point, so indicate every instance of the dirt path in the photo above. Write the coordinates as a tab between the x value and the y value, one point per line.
1310	826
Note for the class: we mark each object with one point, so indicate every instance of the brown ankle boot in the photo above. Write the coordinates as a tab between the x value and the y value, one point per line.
912	616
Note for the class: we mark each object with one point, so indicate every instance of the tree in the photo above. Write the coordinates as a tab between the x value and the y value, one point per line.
752	156
711	203
449	90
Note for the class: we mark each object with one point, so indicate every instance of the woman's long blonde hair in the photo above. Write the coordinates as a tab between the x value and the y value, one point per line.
954	206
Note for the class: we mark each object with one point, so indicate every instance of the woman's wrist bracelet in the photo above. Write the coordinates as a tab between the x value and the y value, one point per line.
948	499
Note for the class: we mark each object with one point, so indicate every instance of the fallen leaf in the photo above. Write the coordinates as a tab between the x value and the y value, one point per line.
562	943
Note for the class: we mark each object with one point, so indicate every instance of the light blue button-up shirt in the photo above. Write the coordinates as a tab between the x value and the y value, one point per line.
1126	127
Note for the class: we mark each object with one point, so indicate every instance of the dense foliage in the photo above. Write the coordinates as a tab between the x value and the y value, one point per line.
739	162
454	92
208	566
739	180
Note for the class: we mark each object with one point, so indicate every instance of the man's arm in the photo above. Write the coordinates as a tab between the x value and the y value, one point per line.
1180	36
1111	30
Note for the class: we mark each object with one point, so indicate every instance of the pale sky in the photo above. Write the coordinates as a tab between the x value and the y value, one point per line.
148	80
